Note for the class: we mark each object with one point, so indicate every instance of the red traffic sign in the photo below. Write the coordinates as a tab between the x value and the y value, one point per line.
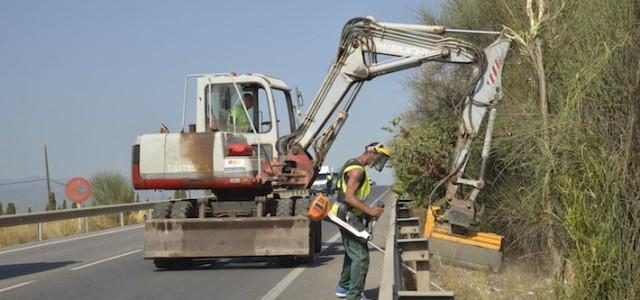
78	189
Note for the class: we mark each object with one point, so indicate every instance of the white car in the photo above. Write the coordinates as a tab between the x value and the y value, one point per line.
323	183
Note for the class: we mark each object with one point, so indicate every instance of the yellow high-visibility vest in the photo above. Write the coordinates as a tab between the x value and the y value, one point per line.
363	190
238	114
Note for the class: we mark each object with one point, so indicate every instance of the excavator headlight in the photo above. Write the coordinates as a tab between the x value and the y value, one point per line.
240	150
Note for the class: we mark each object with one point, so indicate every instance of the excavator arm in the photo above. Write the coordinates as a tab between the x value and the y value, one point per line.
362	42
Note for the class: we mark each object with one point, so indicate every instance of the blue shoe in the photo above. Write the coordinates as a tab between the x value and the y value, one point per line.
341	292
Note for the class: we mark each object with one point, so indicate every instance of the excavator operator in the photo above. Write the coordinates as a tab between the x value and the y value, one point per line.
353	186
238	119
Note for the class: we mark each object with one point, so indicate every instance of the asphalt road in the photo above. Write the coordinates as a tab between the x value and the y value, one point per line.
109	265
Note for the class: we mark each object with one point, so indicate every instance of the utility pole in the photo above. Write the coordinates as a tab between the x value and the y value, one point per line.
46	166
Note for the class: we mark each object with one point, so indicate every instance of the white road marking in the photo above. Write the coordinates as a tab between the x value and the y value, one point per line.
69	240
17	285
105	260
287	280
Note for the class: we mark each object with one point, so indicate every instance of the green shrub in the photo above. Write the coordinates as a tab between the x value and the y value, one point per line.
421	160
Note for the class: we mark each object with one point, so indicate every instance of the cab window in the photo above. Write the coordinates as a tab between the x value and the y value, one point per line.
225	111
284	112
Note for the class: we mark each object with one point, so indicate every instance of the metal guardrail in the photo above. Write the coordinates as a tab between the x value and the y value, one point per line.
405	267
75	213
390	275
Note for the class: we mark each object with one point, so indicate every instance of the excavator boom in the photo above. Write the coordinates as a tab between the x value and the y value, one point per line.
362	41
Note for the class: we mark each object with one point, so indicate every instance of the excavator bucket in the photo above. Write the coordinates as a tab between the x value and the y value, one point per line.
475	250
227	237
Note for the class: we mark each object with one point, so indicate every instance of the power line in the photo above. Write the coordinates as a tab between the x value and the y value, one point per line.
22	181
31	180
57	182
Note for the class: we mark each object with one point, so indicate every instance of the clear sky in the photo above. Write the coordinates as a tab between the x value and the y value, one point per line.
86	77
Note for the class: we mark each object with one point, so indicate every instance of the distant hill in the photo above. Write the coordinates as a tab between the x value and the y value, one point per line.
29	194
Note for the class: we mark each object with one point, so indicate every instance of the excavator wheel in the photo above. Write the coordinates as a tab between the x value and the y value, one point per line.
285	207
317	236
181	210
173	263
301	207
161	210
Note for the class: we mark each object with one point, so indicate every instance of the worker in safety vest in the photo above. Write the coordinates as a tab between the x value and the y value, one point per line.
353	186
329	184
238	119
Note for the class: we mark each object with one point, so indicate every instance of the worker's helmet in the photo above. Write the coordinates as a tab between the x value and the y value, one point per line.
383	155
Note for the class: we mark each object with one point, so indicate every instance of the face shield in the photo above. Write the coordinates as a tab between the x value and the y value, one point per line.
381	160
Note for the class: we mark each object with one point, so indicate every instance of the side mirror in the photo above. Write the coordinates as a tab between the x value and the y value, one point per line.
299	100
297	109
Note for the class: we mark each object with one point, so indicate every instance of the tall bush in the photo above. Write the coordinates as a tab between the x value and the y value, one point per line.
563	177
111	188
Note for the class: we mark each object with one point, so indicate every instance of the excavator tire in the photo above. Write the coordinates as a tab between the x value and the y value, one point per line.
161	210
301	207
285	207
173	263
181	210
316	228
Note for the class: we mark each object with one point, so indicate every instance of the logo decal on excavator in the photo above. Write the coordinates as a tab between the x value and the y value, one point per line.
231	165
493	76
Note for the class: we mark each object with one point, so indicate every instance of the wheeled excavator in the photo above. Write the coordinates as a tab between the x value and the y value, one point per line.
260	163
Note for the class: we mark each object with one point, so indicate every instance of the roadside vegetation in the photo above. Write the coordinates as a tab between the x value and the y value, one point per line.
108	188
563	183
15	235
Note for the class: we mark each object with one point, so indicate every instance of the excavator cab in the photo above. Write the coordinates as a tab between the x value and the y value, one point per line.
239	119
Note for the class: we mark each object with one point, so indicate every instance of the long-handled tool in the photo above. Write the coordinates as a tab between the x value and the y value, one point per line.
320	209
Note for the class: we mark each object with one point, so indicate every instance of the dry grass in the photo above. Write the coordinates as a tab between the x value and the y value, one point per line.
518	279
15	235
18	235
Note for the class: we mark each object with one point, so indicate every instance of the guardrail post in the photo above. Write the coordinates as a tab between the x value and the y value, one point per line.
86	224
406	260
39	231
389	282
414	253
121	219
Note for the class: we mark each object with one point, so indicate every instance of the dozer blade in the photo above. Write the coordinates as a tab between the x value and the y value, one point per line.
475	250
227	237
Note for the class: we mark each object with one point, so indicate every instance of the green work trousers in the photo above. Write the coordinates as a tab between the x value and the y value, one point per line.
356	261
